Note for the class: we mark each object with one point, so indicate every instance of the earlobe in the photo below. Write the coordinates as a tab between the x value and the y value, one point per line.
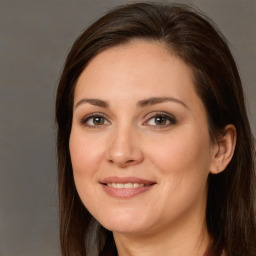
224	150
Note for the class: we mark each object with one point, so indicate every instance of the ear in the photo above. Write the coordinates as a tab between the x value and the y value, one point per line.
223	150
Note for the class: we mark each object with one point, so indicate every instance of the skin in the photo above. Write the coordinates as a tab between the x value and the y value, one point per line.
176	153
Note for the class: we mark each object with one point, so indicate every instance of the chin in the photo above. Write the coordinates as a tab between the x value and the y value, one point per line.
124	224
125	228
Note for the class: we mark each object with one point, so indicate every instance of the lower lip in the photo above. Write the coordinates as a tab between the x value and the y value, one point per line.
125	192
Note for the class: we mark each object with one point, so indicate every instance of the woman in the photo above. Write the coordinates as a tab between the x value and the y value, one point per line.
155	151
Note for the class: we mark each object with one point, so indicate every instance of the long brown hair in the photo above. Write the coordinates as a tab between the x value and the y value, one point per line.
193	37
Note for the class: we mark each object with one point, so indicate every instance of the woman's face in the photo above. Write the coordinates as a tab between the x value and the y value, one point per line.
139	142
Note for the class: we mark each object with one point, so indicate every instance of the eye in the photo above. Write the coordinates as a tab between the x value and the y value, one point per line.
94	120
161	120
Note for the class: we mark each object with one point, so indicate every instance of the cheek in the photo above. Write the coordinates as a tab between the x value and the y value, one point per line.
183	164
185	150
85	157
85	154
183	160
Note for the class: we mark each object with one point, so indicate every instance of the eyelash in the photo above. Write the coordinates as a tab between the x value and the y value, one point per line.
169	118
91	116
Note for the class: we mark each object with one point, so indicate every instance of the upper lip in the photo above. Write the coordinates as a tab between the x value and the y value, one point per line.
123	180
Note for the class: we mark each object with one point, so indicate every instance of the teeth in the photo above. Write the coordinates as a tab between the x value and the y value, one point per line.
128	185
119	185
125	185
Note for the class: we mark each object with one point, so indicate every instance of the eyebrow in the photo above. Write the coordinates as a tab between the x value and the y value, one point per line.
156	100
142	103
95	102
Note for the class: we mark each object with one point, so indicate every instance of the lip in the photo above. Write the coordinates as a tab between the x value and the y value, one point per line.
116	179
126	193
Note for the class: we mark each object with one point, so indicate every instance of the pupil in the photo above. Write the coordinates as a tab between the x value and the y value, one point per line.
98	120
160	120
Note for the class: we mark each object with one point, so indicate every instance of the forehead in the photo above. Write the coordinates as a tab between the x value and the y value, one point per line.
146	64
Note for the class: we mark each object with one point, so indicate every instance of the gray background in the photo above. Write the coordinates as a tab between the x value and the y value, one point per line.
35	37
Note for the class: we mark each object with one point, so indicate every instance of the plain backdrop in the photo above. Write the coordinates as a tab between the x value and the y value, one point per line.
35	37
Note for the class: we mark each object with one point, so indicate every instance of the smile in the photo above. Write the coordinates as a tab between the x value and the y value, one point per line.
126	185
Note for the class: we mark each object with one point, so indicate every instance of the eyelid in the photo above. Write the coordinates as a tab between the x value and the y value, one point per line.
171	118
84	119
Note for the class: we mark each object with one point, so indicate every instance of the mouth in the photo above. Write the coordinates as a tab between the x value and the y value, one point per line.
126	187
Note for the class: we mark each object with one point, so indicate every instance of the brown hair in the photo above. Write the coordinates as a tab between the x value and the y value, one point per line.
190	35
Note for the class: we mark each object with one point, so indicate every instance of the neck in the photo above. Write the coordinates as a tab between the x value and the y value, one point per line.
183	245
186	238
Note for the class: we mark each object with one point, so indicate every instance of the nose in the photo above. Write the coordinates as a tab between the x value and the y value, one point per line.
124	148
